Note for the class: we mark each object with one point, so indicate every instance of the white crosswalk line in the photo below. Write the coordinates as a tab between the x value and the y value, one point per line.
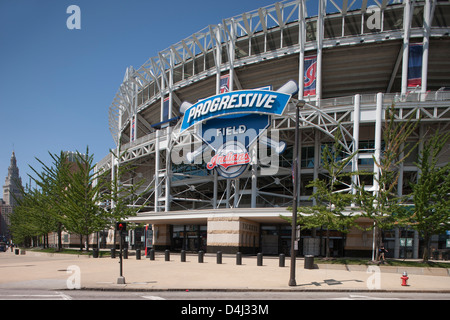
153	298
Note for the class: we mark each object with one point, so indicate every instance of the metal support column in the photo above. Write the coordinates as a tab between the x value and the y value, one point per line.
406	32
168	172
301	41
254	157
157	187
320	27
356	120
426	44
378	128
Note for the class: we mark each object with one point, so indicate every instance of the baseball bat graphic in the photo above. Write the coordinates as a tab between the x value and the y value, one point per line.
289	87
278	146
184	106
190	156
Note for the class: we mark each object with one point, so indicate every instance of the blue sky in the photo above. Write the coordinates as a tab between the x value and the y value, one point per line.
56	84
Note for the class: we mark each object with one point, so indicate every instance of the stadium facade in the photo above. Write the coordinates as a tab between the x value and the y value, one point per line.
209	122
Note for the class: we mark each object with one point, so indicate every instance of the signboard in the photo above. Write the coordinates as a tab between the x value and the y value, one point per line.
230	122
235	102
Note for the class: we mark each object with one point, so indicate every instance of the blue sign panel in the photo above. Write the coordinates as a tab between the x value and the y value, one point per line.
245	101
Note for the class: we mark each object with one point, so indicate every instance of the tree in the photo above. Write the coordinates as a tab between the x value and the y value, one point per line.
83	214
36	213
53	181
382	204
119	198
431	192
332	194
31	217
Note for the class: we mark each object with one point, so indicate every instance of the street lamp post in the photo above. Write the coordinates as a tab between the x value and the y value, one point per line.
295	164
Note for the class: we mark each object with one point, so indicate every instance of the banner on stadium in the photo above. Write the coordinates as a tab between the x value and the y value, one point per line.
415	65
229	123
225	83
309	84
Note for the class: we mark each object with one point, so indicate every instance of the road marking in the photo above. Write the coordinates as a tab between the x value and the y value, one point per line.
153	298
37	296
361	297
64	296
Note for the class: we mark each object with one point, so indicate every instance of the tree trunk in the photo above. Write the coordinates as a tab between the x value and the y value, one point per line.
327	255
59	237
426	249
81	242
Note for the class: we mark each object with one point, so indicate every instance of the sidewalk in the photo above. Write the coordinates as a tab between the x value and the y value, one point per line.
55	271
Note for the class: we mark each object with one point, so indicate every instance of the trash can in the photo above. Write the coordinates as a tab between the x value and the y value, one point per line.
113	253
138	254
94	253
309	262
16	252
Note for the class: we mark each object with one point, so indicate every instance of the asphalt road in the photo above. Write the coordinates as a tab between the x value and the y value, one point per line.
45	294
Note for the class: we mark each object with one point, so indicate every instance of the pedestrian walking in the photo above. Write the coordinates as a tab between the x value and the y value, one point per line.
382	252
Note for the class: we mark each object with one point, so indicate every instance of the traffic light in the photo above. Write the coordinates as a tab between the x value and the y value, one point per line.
121	226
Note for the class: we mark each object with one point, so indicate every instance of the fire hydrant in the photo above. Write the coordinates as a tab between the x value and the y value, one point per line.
404	279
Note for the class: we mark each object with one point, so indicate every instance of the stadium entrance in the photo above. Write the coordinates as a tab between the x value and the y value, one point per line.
189	237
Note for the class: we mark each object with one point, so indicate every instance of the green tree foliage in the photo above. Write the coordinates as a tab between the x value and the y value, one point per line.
431	192
81	200
332	195
72	196
382	204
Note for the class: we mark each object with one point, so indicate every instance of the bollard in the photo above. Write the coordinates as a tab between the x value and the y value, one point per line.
238	258
219	257
138	254
309	262
113	253
152	254
282	260
200	256
183	256
259	259
167	255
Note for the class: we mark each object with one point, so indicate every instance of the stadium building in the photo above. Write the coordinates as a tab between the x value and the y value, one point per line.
209	123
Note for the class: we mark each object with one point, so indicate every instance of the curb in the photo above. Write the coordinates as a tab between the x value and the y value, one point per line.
257	290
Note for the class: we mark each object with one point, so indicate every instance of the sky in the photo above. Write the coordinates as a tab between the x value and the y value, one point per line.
56	84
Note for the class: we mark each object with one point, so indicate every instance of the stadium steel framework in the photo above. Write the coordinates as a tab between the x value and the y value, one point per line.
361	49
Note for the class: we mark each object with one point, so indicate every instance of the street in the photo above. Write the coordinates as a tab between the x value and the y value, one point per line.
45	294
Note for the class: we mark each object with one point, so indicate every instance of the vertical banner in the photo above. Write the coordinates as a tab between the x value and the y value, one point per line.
133	129
415	65
309	83
225	83
166	109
